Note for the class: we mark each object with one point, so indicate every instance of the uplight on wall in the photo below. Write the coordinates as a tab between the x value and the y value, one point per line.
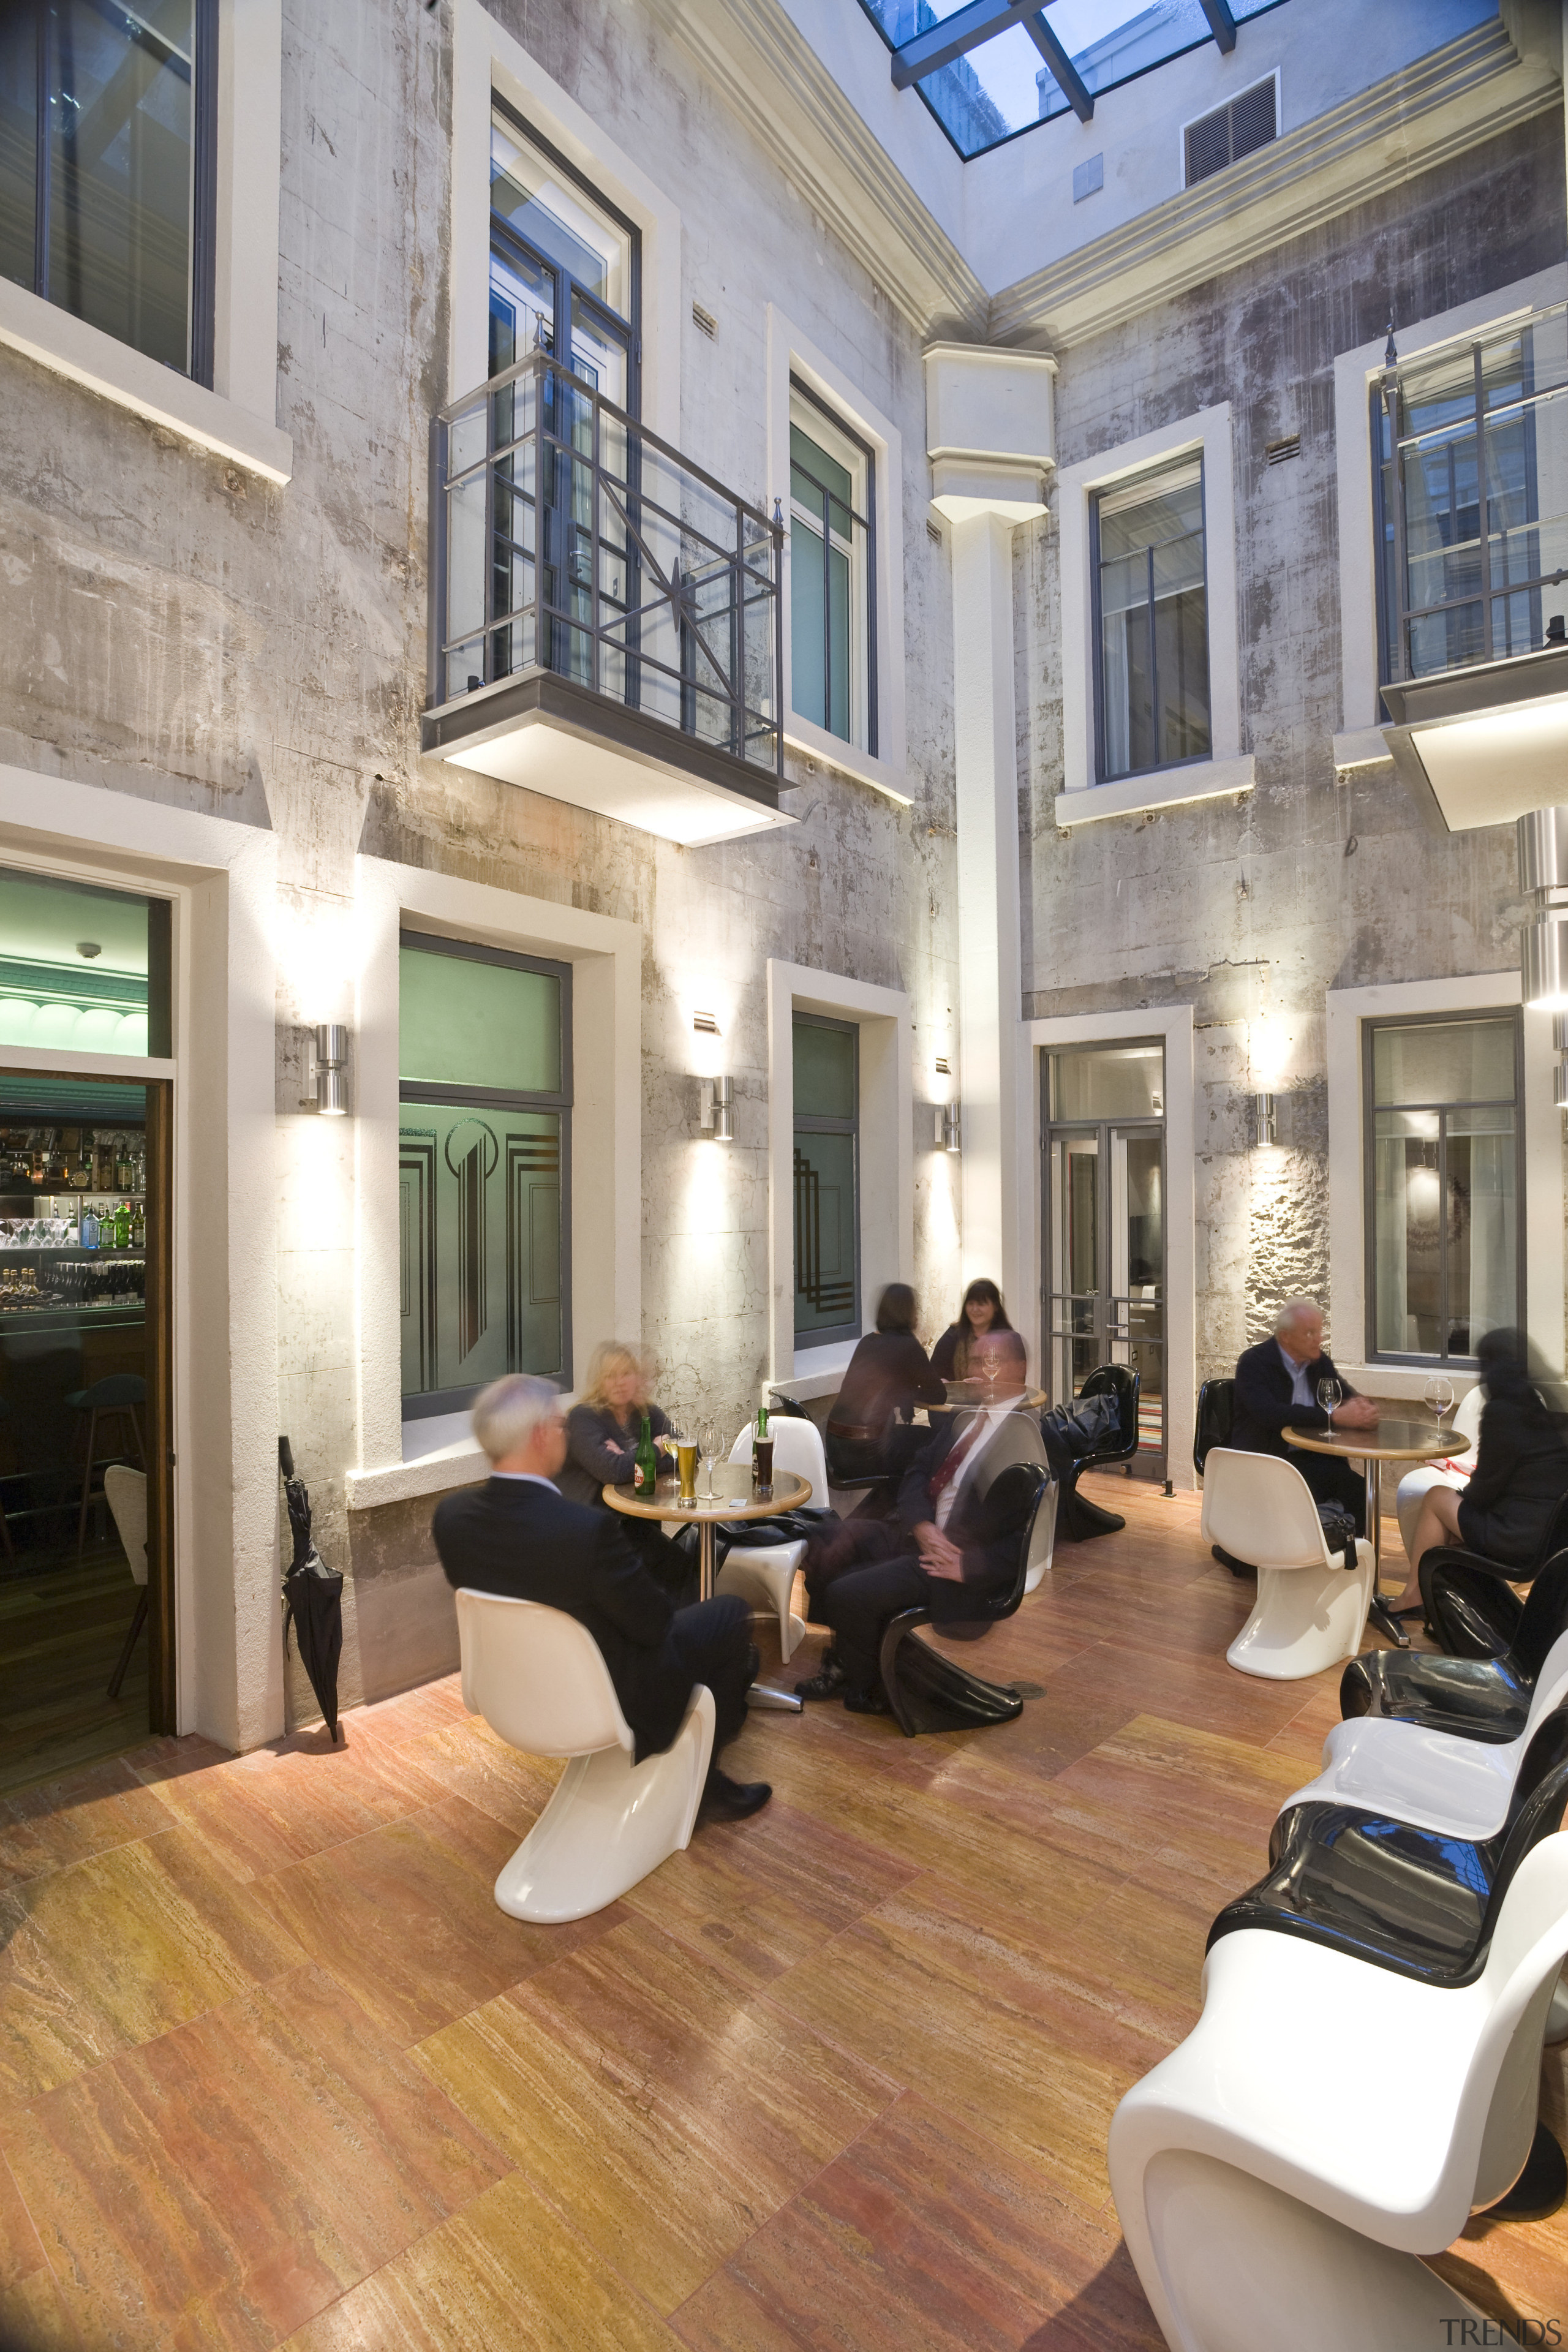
1543	836
331	1051
1268	1130
717	1112
1560	1040
949	1135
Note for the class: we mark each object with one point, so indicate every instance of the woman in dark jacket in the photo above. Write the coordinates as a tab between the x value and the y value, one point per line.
888	1376
1521	1468
602	1432
982	1312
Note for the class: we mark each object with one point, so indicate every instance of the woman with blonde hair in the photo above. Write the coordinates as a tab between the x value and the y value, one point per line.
602	1429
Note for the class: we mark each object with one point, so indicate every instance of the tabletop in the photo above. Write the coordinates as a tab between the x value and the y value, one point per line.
1391	1441
961	1394
735	1498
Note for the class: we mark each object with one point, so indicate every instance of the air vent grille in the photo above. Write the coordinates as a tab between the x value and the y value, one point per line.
704	320
1277	452
1250	120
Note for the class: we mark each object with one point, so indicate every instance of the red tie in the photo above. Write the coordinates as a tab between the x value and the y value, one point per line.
944	1477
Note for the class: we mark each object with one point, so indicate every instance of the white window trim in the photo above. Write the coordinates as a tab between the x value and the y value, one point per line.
1543	1249
887	1156
606	956
1173	1024
237	418
790	352
1082	799
485	58
1354	374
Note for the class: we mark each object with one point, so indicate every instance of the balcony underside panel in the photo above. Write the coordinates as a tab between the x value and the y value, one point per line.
550	737
1487	744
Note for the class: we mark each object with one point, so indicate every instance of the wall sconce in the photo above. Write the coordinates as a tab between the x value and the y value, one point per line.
330	1043
1268	1127
1543	838
1560	1040
947	1135
716	1097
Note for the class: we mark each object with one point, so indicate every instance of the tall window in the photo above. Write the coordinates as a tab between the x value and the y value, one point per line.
832	562
565	266
484	1133
1444	1184
826	1178
1152	643
107	167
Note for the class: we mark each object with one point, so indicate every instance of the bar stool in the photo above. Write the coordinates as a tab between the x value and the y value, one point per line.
117	1397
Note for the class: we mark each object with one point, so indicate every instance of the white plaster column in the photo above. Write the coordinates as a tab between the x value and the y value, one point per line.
990	438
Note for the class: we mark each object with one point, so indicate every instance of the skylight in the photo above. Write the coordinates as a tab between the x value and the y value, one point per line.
991	69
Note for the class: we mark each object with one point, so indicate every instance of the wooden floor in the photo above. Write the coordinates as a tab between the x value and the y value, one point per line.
61	1627
273	2067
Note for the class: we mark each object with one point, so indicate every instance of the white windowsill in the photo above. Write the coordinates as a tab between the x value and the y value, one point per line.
68	346
818	1372
1205	780
1405	1382
462	1464
834	752
1361	747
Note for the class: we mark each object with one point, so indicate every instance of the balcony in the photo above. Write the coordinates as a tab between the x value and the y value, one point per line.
1473	483
605	617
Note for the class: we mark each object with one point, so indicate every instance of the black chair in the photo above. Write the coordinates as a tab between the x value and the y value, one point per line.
930	1692
1078	1518
791	1407
1475	1699
1469	1609
1403	1898
1216	1416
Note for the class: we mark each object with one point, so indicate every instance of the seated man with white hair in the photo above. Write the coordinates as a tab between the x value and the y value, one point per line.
517	1535
1276	1389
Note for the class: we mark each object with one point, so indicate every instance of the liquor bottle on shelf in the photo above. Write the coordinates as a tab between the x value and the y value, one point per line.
88	1229
122	1225
138	1227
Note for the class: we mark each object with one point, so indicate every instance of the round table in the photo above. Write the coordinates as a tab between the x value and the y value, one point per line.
1389	1440
961	1394
734	1499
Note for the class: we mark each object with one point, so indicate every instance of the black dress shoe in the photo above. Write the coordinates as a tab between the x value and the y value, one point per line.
724	1799
827	1683
869	1702
753	1663
1226	1560
1540	2188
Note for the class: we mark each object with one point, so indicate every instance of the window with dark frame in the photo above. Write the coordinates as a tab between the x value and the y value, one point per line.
826	1059
1444	1185
560	253
833	573
1150	622
108	168
484	1168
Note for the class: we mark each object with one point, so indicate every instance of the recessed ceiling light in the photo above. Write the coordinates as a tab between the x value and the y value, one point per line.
89	948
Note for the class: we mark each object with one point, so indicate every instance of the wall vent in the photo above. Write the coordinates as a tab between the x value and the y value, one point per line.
933	531
1277	452
705	1022
1249	120
944	1069
705	321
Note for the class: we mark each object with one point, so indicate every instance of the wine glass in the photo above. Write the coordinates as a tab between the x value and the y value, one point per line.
1329	1395
1439	1395
707	1445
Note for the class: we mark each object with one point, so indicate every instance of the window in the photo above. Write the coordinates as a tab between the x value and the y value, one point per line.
826	1178
560	253
1152	622
1443	1172
83	969
1454	590
108	167
832	558
1249	120
484	1133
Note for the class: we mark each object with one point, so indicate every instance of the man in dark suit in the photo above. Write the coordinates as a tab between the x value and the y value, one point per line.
1276	1389
517	1535
937	1551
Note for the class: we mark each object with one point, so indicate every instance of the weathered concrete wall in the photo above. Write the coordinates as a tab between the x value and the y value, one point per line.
1251	908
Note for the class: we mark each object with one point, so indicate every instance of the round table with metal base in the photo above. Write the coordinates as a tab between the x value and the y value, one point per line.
1389	1440
734	1497
962	1394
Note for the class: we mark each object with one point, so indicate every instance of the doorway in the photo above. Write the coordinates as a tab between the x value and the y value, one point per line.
1104	1218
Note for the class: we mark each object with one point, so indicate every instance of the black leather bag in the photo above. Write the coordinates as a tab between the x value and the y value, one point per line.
1339	1531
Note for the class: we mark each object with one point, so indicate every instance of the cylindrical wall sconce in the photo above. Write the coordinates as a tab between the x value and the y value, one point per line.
949	1137
1267	1126
1560	1040
331	1079
1543	836
716	1116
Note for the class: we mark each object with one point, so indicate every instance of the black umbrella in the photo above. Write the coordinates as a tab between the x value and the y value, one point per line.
312	1597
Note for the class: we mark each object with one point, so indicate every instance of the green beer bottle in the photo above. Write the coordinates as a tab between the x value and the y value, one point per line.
645	1474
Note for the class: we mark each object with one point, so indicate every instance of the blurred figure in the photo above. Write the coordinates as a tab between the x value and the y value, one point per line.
982	1312
888	1375
1522	1467
602	1432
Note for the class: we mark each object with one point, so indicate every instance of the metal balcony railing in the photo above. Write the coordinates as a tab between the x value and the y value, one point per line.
1473	476
572	544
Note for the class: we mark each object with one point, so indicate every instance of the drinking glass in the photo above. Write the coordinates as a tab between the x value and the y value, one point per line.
709	1441
1440	1394
686	1460
1329	1395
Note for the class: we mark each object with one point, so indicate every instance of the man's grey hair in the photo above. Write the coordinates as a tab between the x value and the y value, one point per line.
507	1413
1293	1310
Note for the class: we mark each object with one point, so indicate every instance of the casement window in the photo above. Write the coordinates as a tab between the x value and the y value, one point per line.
1444	1170
833	569
826	1056
108	167
1152	643
565	267
484	1155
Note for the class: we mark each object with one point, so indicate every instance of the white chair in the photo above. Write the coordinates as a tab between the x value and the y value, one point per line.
1275	2181
1416	1484
127	1493
540	1680
1312	1611
764	1574
1434	1779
